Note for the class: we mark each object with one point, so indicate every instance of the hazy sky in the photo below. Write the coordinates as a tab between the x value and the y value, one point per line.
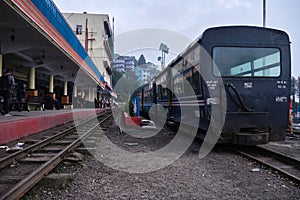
191	17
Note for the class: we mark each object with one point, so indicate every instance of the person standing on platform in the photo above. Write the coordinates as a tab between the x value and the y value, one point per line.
7	85
20	94
12	86
102	102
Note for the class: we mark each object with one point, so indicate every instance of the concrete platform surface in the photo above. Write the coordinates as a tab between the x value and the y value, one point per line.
24	123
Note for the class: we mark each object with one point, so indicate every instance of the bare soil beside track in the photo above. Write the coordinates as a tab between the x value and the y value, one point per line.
220	175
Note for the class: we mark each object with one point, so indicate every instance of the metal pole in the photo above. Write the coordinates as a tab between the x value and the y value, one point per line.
86	46
113	25
264	13
162	60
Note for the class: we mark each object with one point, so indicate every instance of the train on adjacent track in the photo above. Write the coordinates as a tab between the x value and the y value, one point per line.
243	70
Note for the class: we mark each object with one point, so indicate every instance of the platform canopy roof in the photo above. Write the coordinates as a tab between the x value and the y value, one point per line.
34	34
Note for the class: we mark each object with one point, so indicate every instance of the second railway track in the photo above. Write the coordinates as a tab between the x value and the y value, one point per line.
21	170
286	165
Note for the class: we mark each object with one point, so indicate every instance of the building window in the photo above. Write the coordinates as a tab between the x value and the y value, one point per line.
78	29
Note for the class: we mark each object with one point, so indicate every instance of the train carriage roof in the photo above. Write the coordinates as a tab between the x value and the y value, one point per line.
236	35
245	35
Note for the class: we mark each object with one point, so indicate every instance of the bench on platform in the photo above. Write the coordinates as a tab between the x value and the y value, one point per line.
19	104
67	106
37	101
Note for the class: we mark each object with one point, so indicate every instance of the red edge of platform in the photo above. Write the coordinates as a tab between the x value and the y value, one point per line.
10	131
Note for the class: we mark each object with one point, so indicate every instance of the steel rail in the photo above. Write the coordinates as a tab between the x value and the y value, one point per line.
23	152
285	158
33	178
262	151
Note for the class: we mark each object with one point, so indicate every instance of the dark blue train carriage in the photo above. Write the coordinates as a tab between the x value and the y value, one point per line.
243	69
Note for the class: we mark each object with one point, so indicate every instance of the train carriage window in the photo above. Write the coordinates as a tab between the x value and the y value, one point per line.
162	87
247	62
177	79
196	82
191	73
178	85
148	96
188	83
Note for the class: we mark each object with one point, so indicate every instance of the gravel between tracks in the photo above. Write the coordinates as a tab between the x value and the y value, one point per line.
220	175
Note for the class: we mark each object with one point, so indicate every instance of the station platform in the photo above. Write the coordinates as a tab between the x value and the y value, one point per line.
24	123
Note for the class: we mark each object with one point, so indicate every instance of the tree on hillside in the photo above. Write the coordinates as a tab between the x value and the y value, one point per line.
125	85
141	60
116	76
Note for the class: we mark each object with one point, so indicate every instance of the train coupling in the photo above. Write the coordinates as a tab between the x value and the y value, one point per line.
250	137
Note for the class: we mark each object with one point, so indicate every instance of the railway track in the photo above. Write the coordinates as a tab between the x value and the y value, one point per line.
23	169
287	166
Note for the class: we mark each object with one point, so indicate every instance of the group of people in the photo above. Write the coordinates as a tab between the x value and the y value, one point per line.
51	102
102	103
7	87
10	92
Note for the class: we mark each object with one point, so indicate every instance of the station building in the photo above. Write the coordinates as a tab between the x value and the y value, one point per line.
124	63
146	72
95	33
49	55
